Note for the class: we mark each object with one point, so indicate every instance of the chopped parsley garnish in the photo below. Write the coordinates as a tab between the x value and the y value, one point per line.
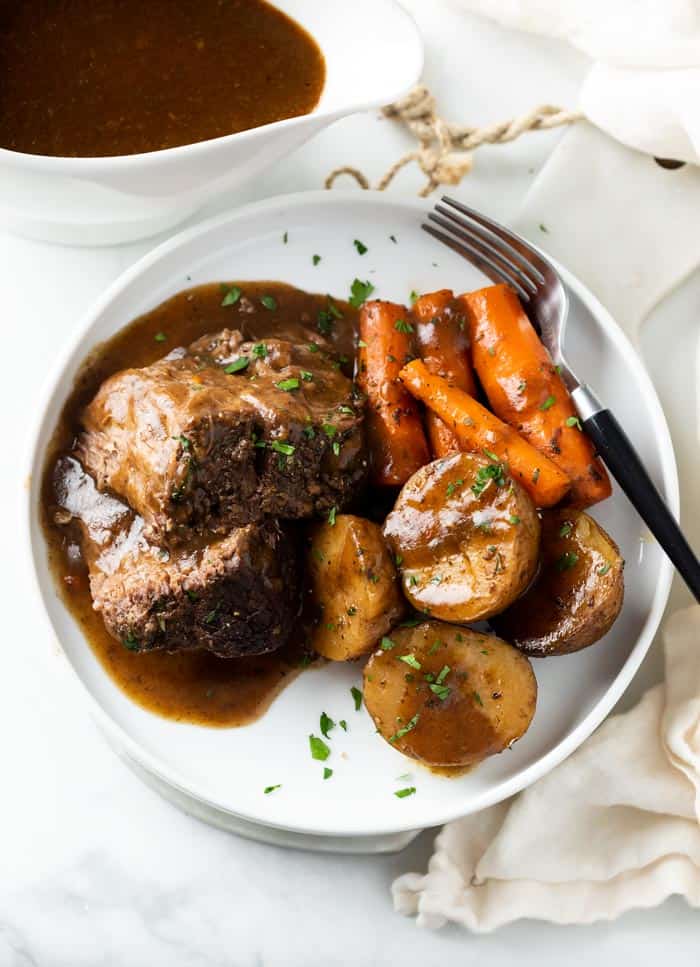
574	421
491	455
393	239
306	375
402	793
414	296
313	347
259	350
361	344
329	429
232	296
315	259
331	516
319	749
285	237
565	529
543	228
477	699
603	569
183	441
288	385
566	561
408	727
484	476
402	326
521	386
360	246
514	519
387	644
357	697
335	447
309	432
343	724
269	302
130	643
360	293
327	773
326	725
411	660
286	449
160	337
548	403
452	486
237	366
442	691
269	789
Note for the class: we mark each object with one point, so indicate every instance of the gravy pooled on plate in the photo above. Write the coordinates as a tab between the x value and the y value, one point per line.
188	686
100	78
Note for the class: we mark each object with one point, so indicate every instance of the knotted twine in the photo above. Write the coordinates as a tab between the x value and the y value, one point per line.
446	151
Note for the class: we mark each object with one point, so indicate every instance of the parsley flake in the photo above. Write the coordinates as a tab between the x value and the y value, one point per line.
319	749
232	296
237	366
288	385
326	724
269	789
359	293
160	337
408	791
548	403
357	697
360	246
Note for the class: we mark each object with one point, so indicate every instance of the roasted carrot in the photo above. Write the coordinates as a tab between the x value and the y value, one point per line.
443	344
525	390
397	444
480	431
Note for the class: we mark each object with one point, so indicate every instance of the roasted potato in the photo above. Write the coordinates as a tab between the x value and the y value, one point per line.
449	696
466	538
578	593
355	586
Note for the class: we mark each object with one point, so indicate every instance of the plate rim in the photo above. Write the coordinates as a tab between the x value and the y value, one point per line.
31	531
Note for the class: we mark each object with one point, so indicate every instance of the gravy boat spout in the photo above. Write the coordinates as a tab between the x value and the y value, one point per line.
373	54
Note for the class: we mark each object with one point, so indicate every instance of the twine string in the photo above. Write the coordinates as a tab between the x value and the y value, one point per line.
445	153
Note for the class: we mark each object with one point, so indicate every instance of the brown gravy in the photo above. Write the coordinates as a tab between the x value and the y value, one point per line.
98	78
194	687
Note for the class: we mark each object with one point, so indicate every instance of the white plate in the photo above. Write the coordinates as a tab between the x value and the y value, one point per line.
228	769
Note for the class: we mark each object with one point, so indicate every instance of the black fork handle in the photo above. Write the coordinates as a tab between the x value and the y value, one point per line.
623	461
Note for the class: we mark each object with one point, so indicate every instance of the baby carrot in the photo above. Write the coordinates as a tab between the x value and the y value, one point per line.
525	390
397	444
480	431
443	344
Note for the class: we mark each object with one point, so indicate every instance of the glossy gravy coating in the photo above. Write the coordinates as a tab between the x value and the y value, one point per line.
98	78
188	687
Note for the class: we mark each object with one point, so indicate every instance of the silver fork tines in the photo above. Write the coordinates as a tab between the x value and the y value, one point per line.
504	256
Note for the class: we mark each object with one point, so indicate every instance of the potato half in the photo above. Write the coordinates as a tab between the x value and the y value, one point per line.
466	537
355	586
578	593
449	696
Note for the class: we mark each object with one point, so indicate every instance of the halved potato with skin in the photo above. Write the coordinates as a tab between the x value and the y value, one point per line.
449	696
354	584
578	593
466	537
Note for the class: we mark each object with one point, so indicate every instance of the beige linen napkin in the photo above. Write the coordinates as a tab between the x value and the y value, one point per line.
617	825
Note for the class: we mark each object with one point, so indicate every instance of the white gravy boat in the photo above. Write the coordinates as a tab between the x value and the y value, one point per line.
373	53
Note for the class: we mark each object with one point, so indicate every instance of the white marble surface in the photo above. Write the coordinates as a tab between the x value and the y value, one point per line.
94	868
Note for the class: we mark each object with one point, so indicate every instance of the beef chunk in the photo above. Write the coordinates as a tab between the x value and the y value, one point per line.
227	433
233	596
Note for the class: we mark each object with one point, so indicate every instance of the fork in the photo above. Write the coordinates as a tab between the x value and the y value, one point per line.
505	256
